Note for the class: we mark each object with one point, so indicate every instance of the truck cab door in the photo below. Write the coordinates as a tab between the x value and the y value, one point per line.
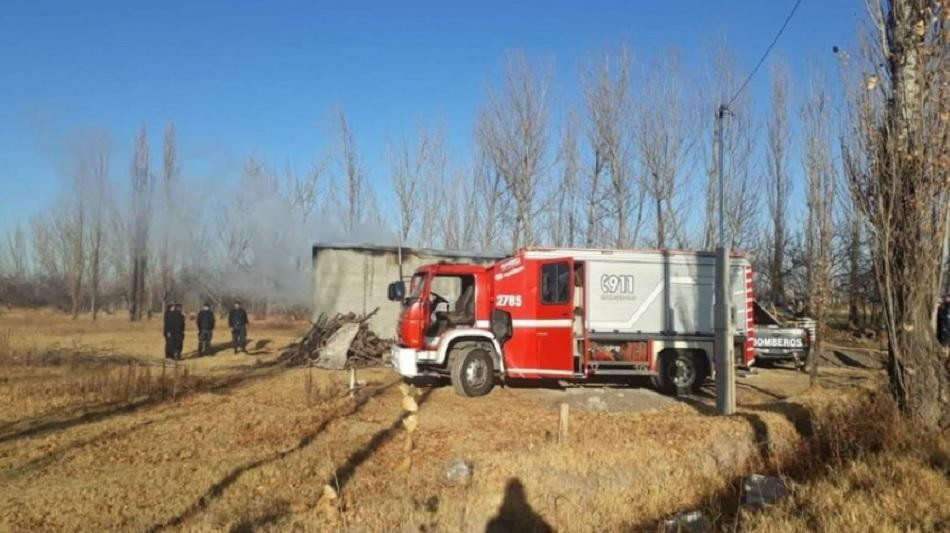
554	305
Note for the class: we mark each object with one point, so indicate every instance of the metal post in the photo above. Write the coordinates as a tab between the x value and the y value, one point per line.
725	363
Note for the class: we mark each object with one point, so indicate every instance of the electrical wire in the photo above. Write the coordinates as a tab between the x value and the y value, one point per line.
766	54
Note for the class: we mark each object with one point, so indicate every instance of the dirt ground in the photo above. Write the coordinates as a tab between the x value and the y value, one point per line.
98	434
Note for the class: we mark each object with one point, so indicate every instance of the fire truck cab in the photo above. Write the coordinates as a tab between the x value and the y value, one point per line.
568	314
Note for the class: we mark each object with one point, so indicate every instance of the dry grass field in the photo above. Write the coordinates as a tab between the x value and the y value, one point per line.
98	434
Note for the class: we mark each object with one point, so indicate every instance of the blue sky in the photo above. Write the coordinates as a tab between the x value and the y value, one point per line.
264	78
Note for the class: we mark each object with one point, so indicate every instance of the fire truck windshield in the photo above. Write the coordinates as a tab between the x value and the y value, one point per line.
415	287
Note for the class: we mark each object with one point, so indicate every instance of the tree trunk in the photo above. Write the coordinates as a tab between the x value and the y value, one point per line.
854	275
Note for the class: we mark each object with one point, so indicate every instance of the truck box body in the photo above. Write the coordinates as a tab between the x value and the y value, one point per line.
656	292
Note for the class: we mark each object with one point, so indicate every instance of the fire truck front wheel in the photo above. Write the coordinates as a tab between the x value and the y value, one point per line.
472	372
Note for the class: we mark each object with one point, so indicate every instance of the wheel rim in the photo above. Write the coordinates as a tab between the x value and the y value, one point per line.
476	373
683	372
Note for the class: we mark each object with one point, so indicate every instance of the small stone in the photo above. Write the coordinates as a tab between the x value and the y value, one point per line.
459	472
405	389
758	490
298	506
407	445
596	403
409	404
410	423
329	493
687	522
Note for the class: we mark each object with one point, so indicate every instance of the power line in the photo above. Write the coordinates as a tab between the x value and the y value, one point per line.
766	54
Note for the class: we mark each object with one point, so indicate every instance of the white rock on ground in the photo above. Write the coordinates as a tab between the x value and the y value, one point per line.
459	472
760	490
687	522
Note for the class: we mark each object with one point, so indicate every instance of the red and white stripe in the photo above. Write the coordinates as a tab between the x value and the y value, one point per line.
749	354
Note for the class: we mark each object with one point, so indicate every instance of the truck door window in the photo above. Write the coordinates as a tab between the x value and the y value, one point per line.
555	283
449	288
415	286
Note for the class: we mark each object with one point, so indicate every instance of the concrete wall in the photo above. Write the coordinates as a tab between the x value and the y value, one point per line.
354	278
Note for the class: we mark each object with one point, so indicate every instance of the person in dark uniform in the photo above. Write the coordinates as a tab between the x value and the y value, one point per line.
174	332
237	321
166	331
205	323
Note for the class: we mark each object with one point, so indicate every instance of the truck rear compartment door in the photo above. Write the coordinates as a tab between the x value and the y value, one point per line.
555	317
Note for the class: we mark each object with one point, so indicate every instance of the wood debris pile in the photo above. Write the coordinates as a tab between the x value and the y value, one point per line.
366	348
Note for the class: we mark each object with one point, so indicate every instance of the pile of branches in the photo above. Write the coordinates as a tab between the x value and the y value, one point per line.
367	349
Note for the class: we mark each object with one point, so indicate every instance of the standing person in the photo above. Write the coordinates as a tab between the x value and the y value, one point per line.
167	331
205	323
174	332
237	321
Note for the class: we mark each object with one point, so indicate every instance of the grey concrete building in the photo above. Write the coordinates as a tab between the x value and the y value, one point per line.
354	278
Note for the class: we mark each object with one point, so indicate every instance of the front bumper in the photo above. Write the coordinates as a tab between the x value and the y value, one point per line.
781	355
404	361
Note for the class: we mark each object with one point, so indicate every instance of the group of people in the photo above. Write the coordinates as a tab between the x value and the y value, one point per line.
174	329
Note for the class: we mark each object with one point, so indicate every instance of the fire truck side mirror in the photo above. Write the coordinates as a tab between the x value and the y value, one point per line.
397	291
501	326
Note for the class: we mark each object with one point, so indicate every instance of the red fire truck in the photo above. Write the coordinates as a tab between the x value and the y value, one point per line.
570	314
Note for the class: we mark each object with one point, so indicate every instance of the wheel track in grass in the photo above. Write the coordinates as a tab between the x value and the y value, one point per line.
344	471
219	489
48	422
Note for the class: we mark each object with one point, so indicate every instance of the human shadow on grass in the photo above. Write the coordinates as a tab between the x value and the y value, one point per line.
217	489
515	514
855	362
344	472
259	348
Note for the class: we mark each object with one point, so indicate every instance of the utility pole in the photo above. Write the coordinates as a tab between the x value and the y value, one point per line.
725	361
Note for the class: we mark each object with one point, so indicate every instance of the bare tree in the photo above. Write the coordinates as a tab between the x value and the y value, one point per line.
562	217
458	215
494	198
140	215
417	172
897	158
354	175
304	191
819	168
665	138
469	208
513	130
99	190
742	182
17	253
71	222
780	185
607	96
169	172
853	245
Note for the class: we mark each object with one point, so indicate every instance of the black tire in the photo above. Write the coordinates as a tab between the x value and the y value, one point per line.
472	372
680	370
804	362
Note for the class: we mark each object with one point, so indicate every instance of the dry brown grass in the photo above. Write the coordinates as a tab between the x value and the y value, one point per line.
880	474
253	446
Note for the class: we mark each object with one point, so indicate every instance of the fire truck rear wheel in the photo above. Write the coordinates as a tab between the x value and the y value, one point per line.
679	370
472	372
